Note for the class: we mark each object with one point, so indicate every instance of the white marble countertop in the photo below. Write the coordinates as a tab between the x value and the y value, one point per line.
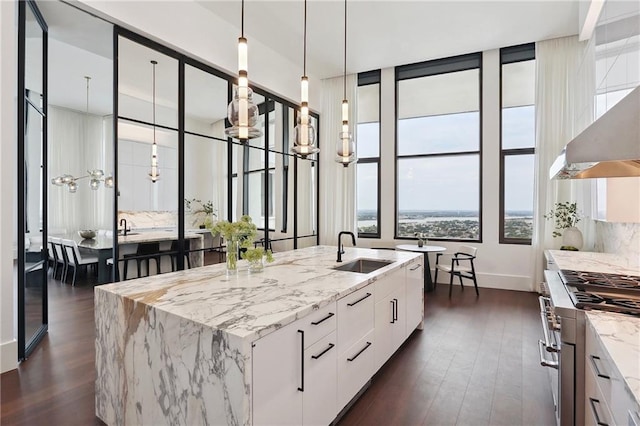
249	306
594	262
620	336
136	237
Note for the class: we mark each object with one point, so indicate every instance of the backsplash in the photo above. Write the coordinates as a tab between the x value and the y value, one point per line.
145	219
622	239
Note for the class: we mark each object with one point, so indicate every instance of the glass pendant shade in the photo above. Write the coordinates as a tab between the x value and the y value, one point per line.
94	184
108	182
242	113
345	149
73	187
304	138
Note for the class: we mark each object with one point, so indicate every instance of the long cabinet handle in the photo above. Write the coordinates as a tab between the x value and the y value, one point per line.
415	267
331	345
359	352
393	311
301	388
594	410
323	319
359	300
595	367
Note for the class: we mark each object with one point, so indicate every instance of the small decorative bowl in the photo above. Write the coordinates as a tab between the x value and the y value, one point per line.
87	233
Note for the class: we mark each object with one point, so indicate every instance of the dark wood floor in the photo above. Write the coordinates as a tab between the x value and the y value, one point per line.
475	363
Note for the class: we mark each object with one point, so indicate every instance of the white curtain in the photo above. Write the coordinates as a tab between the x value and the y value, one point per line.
337	183
557	86
75	145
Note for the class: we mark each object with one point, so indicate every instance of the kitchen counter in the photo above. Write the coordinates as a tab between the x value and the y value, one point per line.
189	333
594	262
620	336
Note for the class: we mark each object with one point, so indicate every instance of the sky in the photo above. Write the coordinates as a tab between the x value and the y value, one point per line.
448	183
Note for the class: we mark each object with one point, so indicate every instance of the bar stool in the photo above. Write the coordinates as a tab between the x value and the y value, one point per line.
173	252
144	253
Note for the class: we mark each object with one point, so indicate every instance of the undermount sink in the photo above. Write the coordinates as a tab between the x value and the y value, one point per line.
363	266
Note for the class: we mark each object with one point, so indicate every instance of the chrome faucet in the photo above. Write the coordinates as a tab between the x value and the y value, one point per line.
340	246
125	226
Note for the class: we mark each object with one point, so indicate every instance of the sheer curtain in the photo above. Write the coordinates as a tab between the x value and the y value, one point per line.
557	86
337	183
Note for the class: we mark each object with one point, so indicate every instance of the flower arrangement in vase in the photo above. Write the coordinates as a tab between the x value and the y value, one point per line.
204	215
240	236
421	238
566	218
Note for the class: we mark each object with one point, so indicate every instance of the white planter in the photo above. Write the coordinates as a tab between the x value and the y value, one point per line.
572	237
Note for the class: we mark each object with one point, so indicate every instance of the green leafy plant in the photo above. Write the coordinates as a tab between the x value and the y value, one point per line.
565	215
203	212
244	231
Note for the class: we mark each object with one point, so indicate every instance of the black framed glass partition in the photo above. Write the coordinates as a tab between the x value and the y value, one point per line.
204	176
32	260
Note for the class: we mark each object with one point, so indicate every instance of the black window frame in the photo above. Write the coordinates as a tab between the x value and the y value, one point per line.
430	68
366	79
510	55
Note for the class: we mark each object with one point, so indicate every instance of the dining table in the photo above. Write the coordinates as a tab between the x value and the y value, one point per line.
425	249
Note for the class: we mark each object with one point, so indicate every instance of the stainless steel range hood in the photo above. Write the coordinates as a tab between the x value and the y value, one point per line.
610	147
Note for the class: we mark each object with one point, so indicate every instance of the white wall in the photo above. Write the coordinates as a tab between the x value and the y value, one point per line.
504	266
8	120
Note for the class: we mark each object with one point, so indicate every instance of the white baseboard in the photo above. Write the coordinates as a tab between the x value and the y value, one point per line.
8	356
503	282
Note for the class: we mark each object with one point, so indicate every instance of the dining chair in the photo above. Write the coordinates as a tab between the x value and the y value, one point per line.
173	254
53	257
144	253
61	256
456	268
77	259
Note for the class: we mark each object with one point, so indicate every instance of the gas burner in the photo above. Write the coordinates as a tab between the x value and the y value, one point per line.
582	297
633	305
585	281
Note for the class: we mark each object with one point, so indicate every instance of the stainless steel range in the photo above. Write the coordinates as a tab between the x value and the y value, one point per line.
567	294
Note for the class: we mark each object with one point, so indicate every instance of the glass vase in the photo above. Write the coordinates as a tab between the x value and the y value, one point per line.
256	265
232	255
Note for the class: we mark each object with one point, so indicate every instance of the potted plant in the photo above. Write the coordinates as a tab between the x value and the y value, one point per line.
566	218
240	236
203	212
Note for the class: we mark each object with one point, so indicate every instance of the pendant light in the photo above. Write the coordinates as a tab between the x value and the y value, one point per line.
242	112
304	135
96	176
346	146
154	174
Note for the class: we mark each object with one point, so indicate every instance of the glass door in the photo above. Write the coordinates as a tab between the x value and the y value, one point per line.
32	264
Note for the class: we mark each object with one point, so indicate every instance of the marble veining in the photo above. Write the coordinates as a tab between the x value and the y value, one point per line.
622	239
167	344
595	262
620	336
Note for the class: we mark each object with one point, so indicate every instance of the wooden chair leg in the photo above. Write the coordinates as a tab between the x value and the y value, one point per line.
475	283
461	285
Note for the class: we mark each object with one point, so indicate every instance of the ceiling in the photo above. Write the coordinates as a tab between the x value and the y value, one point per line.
388	33
380	34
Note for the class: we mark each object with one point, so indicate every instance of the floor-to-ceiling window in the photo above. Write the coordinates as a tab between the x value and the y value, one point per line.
517	148
368	152
438	149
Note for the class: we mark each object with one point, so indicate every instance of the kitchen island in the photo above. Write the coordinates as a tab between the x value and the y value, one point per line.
180	348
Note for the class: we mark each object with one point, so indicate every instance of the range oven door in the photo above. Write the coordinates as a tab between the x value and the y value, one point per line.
550	350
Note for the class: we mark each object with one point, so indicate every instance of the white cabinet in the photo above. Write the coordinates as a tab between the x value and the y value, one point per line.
390	316
294	372
320	382
355	340
415	296
606	398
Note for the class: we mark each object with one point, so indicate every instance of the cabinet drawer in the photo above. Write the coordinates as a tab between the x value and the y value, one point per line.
599	363
320	382
355	316
387	284
596	410
318	324
355	368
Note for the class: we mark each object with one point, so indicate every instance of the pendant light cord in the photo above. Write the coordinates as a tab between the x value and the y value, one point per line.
304	54
242	21
345	50
154	63
87	106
